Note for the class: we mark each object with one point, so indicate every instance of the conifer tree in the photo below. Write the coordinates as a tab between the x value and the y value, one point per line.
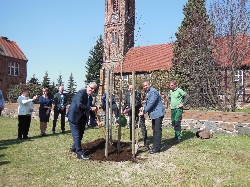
60	81
193	62
94	63
46	80
53	89
71	88
34	80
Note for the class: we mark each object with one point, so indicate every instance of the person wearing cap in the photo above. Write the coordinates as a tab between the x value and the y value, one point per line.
80	107
25	109
2	102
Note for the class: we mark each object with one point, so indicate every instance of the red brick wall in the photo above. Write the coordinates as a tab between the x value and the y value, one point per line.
8	80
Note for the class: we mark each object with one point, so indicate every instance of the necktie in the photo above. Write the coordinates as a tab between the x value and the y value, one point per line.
88	104
89	101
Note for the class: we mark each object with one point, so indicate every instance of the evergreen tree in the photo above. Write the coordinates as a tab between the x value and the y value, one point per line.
94	63
53	89
34	80
71	88
60	81
193	64
46	81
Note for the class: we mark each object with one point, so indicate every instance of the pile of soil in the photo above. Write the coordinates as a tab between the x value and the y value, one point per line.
96	151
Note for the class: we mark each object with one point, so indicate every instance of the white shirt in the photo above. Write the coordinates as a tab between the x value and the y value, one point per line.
25	104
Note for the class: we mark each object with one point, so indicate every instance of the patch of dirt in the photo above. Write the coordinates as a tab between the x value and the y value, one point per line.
96	151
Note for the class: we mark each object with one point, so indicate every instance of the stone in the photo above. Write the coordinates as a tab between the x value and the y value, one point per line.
226	126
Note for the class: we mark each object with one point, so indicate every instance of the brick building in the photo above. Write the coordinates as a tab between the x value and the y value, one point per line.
13	64
120	53
118	34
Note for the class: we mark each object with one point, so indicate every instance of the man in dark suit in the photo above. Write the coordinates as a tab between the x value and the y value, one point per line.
80	108
156	112
127	109
60	102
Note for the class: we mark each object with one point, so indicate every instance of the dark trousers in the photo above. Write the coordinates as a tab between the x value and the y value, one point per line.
56	114
141	125
157	133
23	125
77	131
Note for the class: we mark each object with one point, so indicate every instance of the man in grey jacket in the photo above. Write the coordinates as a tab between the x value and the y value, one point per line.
156	112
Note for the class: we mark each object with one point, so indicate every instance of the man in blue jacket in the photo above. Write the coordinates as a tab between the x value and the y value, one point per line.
156	112
80	108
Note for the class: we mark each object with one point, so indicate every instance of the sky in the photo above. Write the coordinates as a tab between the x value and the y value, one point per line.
56	36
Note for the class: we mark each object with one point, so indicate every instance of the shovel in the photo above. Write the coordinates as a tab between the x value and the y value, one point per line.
101	127
137	136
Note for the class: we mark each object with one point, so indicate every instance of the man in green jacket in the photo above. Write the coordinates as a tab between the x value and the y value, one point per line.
178	98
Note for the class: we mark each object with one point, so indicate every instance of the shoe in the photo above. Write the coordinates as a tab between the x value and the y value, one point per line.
26	137
19	138
44	134
53	132
177	140
72	150
83	157
153	151
145	143
63	131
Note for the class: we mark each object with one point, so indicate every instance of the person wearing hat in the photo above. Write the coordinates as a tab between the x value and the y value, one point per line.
2	102
25	109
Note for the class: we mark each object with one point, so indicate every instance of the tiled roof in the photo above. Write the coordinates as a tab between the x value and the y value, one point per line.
11	49
223	53
159	57
147	58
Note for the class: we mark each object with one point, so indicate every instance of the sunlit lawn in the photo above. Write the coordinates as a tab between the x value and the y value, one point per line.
221	161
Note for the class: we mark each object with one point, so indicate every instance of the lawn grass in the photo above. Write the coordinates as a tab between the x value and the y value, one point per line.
246	110
221	161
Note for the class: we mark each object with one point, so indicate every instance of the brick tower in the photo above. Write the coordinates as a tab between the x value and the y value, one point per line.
118	34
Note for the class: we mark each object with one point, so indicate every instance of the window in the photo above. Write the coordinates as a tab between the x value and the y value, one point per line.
114	18
148	76
125	77
13	68
239	78
114	38
115	5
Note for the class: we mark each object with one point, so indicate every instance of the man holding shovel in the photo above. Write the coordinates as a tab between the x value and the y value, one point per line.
127	109
81	107
156	112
